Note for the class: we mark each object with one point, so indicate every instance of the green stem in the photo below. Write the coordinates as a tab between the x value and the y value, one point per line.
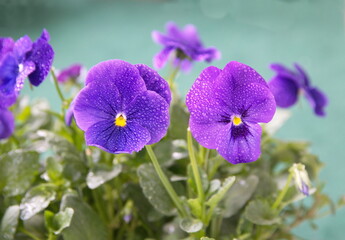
282	193
195	169
23	230
52	236
57	87
165	181
172	76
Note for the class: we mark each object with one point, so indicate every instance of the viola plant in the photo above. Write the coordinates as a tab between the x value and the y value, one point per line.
125	158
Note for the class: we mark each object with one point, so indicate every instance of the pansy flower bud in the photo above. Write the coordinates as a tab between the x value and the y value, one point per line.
301	178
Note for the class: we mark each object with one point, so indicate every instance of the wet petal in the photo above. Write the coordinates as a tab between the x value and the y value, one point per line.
42	55
254	102
6	123
240	144
151	111
96	102
22	46
122	74
284	90
154	82
202	101
8	74
303	75
108	137
162	57
6	46
318	100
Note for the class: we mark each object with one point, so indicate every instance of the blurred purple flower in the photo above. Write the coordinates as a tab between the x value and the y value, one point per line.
6	123
226	107
287	85
70	73
19	60
185	44
123	106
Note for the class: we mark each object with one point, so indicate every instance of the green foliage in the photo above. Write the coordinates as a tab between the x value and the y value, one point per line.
54	186
9	223
154	190
85	224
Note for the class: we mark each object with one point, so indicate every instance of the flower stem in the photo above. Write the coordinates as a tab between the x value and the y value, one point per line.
282	193
195	168
172	76
57	87
165	181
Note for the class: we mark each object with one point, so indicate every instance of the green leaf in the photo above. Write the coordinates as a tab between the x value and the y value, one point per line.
154	190
9	223
207	238
58	222
37	199
54	169
239	194
102	173
85	224
191	225
18	170
178	121
195	207
219	195
260	212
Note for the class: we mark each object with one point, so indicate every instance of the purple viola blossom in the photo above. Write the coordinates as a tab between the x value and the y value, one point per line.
287	84
6	123
123	107
185	44
225	109
24	59
42	55
70	73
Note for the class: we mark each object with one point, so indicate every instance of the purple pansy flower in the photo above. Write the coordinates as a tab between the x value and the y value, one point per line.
70	73
287	85
122	107
24	59
19	60
225	109
185	44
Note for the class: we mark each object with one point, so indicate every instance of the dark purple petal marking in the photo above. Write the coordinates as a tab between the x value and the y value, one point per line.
240	144
154	82
151	111
122	74
114	139
6	123
41	55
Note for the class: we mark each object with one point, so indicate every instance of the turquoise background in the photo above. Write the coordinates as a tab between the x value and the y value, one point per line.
258	32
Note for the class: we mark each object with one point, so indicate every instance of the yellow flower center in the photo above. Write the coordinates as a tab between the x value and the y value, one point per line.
120	120
237	121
